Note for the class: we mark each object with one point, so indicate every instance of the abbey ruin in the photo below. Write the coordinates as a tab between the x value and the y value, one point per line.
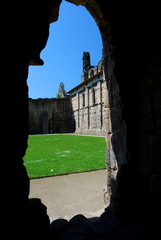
82	110
131	58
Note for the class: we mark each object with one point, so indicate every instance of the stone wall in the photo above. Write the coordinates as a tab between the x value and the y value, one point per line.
84	111
89	100
50	115
90	110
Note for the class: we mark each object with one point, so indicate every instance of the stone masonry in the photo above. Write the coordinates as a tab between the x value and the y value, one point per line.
82	110
88	99
49	115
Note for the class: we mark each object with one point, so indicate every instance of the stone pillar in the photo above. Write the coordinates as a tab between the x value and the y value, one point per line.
116	135
88	107
100	107
86	119
78	115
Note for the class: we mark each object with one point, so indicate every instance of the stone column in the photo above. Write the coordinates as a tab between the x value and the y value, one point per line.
88	107
86	113
116	135
78	115
100	106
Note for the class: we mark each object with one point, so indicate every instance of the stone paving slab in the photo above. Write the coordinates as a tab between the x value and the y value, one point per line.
68	195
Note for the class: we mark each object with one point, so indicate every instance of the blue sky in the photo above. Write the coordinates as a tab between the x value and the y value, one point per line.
74	32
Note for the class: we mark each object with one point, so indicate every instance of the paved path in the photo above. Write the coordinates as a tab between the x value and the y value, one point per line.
69	195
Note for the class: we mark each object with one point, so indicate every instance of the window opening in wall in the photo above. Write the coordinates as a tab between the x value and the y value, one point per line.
92	73
69	39
83	100
93	96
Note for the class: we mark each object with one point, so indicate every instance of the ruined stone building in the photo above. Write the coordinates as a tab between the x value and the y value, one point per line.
88	100
82	109
49	115
131	59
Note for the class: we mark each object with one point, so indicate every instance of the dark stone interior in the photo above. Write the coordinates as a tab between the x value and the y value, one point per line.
131	40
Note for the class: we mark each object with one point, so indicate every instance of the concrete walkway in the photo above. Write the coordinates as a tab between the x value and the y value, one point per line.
69	195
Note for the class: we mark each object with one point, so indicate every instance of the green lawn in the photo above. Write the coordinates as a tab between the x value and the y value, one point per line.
56	154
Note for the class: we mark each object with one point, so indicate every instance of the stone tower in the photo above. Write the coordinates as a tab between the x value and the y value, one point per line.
61	91
86	64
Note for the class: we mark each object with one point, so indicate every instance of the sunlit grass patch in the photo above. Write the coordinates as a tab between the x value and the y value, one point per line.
56	154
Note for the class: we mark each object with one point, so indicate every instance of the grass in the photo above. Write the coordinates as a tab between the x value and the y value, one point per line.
57	154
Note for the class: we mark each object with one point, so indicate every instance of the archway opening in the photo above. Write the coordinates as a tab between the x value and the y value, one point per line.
82	40
74	32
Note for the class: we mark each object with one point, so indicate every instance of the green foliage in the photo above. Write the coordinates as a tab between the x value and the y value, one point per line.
58	95
56	154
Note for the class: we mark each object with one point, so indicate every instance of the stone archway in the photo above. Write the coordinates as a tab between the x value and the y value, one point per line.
131	51
108	133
